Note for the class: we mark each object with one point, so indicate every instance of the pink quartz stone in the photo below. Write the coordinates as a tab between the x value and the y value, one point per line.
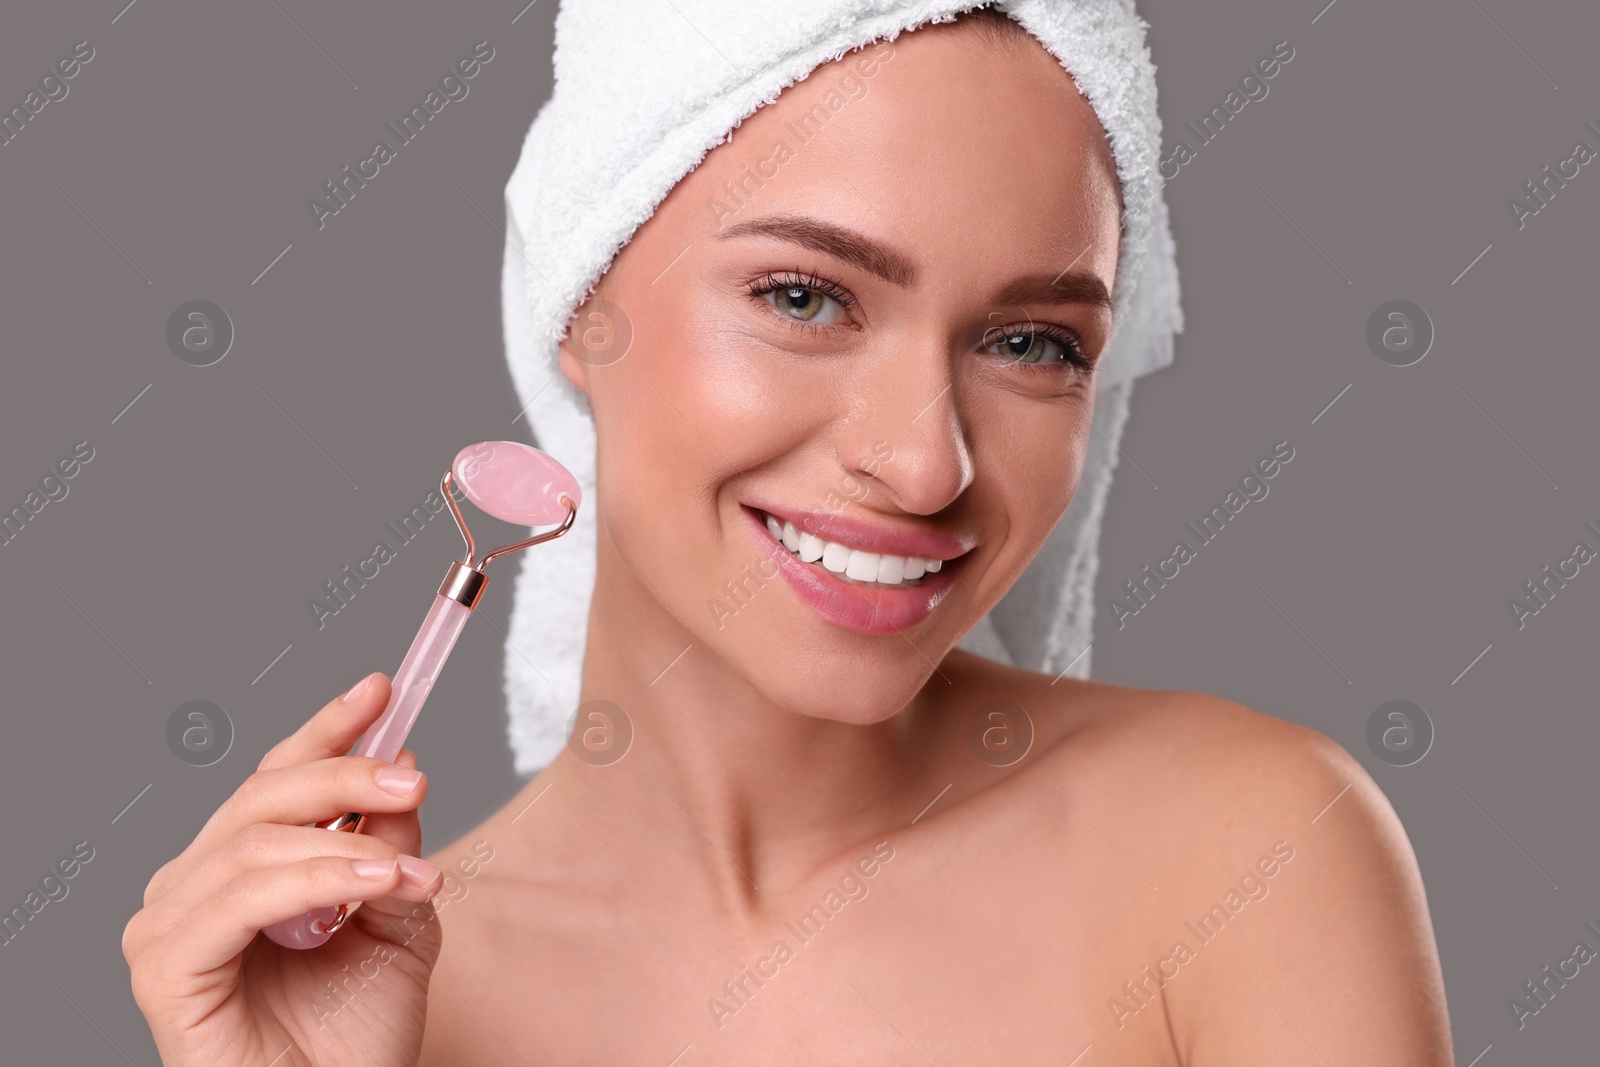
515	482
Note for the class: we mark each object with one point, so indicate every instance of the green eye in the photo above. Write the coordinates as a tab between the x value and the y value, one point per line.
1024	347
798	302
803	298
1036	346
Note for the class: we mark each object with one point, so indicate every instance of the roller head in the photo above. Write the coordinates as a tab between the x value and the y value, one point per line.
515	482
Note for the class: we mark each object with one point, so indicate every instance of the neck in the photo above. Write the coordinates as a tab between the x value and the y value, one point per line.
774	793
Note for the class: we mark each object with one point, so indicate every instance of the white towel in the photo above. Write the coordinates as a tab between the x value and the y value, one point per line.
643	90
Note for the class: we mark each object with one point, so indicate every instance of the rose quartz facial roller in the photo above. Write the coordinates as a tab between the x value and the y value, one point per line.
510	481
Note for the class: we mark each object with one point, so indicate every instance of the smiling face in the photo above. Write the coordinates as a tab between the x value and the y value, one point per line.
873	316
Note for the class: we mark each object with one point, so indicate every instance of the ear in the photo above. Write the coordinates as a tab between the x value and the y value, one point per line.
575	369
598	334
573	352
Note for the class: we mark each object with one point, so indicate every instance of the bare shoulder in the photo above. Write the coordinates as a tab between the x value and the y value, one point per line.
1172	748
1229	783
1210	754
1279	874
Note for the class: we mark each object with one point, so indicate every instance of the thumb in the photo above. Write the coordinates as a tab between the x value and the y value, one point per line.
402	829
395	919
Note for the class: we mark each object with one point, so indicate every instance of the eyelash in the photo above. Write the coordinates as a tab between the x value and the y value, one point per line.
798	279
1076	357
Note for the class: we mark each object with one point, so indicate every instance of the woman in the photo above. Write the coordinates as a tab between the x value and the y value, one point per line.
810	852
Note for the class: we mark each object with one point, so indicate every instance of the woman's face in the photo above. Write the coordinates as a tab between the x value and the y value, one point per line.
872	314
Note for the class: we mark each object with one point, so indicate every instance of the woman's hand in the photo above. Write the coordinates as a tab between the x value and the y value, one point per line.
216	992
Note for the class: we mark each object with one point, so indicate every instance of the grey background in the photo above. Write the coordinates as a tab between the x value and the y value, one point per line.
179	565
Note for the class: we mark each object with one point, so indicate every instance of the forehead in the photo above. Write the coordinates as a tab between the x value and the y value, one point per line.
962	150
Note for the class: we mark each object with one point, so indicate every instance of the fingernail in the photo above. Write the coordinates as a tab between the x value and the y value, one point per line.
356	690
400	781
418	872
373	870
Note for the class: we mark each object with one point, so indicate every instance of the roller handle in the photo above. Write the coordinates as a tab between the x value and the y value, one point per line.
383	740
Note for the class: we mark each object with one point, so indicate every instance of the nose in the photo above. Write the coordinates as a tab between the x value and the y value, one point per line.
907	436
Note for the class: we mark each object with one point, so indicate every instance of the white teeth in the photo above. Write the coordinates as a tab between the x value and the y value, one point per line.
880	567
863	566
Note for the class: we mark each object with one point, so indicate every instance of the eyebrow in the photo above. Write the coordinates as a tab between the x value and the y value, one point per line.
848	245
857	249
1068	287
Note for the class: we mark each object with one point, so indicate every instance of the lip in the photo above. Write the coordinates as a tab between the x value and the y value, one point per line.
866	609
870	537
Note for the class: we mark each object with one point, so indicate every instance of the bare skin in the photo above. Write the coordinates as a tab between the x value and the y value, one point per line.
802	857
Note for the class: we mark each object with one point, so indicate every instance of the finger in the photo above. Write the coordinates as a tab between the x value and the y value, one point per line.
268	845
313	792
396	917
330	732
261	846
402	829
410	923
215	932
333	729
295	795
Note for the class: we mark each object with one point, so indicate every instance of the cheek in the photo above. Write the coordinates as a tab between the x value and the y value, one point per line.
722	382
651	464
707	399
1032	460
694	403
754	400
